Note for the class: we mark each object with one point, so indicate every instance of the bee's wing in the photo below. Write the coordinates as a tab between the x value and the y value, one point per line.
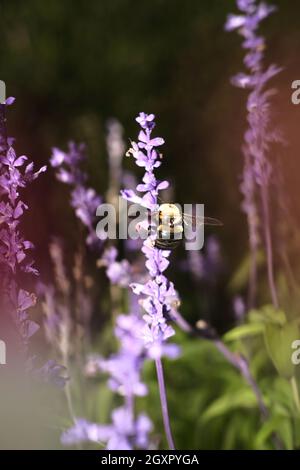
153	215
189	219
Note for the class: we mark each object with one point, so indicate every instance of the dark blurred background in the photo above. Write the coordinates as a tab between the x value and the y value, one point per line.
72	65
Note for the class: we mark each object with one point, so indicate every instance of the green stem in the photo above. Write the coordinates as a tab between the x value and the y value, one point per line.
164	403
295	391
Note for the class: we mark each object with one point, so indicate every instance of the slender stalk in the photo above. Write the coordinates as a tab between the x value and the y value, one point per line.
249	206
164	404
70	402
112	197
67	388
293	283
252	277
242	365
268	243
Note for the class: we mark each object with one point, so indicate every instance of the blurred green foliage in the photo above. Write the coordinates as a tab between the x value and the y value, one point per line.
210	404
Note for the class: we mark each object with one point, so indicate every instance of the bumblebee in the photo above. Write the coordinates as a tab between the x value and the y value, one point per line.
169	227
170	223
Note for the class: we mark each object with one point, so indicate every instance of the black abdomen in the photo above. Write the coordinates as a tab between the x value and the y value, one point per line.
166	244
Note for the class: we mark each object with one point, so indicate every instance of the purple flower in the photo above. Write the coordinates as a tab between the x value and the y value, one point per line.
84	431
15	174
146	121
10	100
115	143
125	366
260	135
249	21
124	433
124	369
158	290
239	308
146	156
84	200
52	373
118	272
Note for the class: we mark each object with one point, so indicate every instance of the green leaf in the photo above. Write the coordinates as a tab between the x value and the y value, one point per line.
278	340
297	431
244	331
278	425
241	398
241	276
267	314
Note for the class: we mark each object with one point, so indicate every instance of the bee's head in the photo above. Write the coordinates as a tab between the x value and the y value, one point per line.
169	210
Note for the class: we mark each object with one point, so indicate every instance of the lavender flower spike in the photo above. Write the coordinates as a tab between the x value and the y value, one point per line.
158	293
124	432
124	369
259	135
84	200
15	174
